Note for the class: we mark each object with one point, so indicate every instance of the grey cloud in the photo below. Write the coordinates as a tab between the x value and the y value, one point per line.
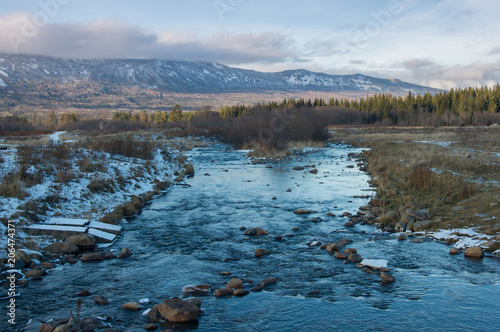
494	51
417	63
113	39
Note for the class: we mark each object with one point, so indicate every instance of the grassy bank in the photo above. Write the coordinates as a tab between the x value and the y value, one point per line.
453	172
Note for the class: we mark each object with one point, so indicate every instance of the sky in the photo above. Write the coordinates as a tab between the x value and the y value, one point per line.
439	43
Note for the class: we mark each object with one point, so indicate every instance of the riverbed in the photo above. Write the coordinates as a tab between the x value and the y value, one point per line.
185	237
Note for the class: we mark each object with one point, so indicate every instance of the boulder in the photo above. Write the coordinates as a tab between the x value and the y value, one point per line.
22	259
267	282
392	216
454	251
223	292
329	214
100	300
34	274
313	171
71	326
94	257
46	328
151	327
402	237
154	315
422	225
341	255
474	252
178	311
261	252
316	219
235	283
61	248
195	301
84	292
82	241
124	253
355	258
387	278
331	247
198	290
91	324
420	215
346	214
302	211
241	292
133	306
48	265
400	227
256	231
298	168
349	224
350	251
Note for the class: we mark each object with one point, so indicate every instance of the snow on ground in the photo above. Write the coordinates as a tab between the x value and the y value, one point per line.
75	200
55	137
443	144
465	237
2	83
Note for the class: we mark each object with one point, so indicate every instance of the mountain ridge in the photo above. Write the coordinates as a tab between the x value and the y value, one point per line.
188	77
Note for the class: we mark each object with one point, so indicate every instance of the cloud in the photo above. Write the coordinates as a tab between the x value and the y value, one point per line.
417	63
494	51
114	39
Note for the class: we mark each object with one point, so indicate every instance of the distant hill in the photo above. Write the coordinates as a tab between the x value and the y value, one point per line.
186	77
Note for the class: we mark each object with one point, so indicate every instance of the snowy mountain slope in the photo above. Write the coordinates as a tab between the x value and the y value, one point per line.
187	77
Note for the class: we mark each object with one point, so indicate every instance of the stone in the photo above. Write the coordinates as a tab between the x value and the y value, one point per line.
417	240
313	171
235	283
82	241
223	292
48	265
225	273
349	224
198	290
298	168
133	306
150	327
195	301
84	292
267	282
387	278
422	225
112	329
261	252
392	216
346	214
454	251
316	219
108	255
100	300
178	311
61	248
153	315
22	259
302	211
329	214
34	274
355	258
71	326
46	328
474	252
402	237
331	247
340	255
350	251
91	324
256	231
241	292
124	253
94	257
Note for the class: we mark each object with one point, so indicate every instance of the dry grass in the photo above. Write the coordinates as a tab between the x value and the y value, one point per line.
439	168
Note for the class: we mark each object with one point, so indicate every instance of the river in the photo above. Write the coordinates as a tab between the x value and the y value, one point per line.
184	236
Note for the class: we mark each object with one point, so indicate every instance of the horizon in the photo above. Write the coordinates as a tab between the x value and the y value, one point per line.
445	44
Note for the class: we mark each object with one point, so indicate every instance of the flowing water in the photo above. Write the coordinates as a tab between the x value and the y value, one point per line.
183	238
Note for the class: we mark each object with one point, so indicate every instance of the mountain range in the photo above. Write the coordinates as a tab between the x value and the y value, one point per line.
186	77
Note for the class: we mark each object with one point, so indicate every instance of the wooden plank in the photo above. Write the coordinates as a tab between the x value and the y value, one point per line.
106	227
102	236
58	228
67	221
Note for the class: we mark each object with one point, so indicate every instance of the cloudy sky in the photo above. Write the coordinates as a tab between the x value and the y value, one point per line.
440	43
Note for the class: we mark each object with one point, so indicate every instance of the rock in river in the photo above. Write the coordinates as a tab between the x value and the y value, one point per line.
124	253
133	306
82	241
178	311
256	231
241	292
235	283
302	211
61	248
387	278
474	252
261	252
95	257
223	292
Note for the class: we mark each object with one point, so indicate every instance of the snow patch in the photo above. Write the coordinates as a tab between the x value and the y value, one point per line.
4	73
375	263
55	136
2	83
